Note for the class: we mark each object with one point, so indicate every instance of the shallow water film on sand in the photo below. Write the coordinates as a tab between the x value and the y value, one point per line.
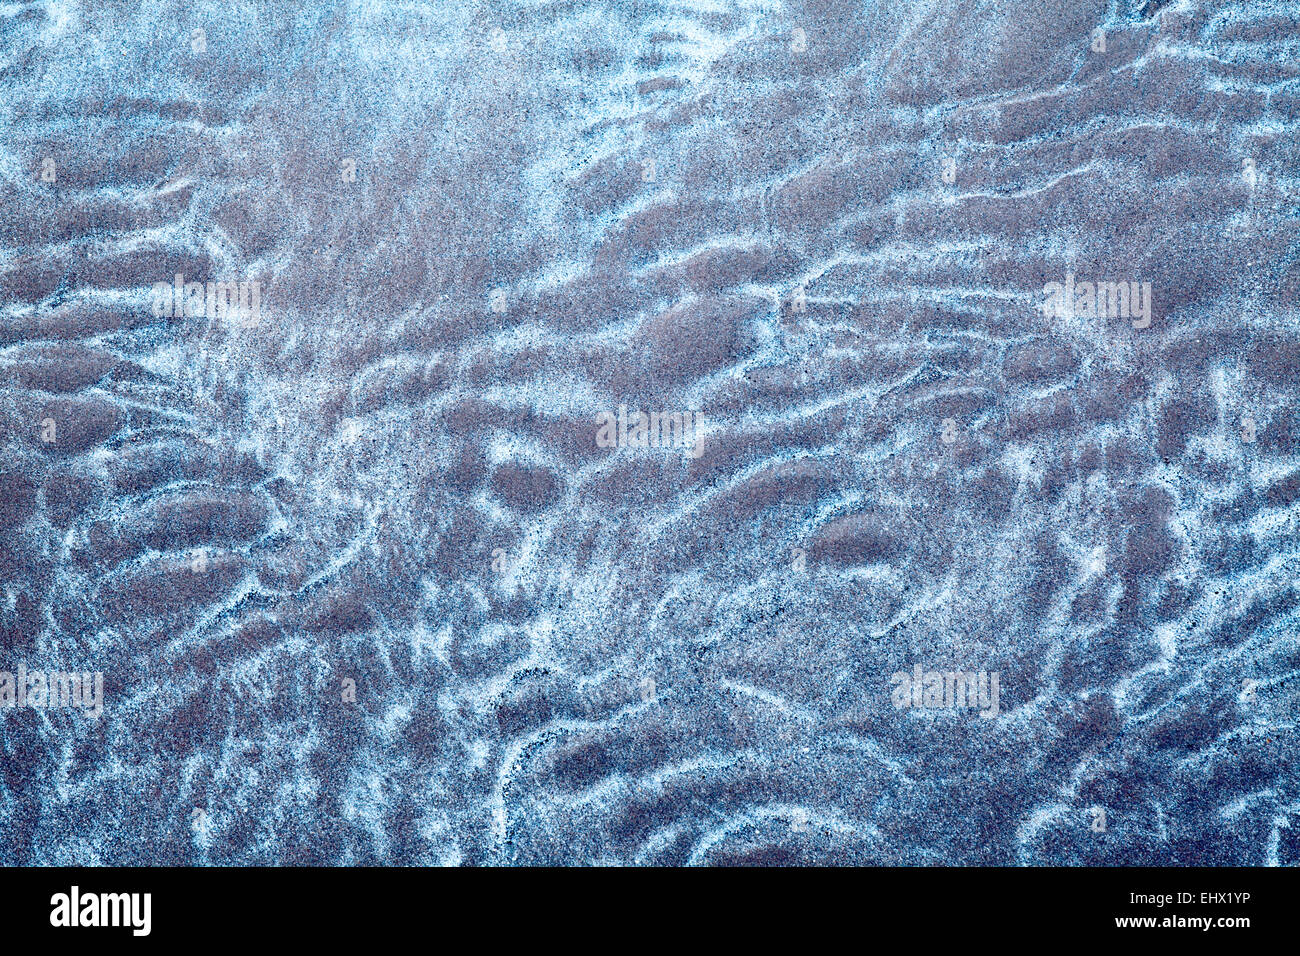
649	432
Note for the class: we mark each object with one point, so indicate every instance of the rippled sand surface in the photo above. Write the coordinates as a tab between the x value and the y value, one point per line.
365	587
